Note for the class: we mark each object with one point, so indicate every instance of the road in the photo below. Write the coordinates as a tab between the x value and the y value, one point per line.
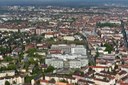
90	57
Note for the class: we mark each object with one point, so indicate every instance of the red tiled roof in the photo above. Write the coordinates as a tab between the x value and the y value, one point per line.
55	51
122	72
44	66
50	33
124	66
123	83
98	66
44	81
108	76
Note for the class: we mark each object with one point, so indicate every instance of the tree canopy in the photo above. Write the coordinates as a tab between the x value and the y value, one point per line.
109	47
7	83
107	24
49	69
8	58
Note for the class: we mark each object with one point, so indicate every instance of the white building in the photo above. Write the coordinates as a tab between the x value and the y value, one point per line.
57	63
74	64
84	62
65	48
8	30
66	56
74	56
49	35
78	63
79	49
9	73
1	57
69	38
18	79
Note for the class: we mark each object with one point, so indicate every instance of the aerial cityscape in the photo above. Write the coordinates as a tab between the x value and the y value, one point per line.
61	42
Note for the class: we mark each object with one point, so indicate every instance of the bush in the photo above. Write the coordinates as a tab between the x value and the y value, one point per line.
106	24
109	47
49	69
7	83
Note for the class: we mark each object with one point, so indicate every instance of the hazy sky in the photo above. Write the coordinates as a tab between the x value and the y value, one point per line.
63	0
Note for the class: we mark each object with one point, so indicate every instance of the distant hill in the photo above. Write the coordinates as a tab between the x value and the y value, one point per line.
63	2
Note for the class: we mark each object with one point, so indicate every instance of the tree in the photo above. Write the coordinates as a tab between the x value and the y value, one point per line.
52	80
21	55
8	58
90	69
123	62
106	24
28	79
77	71
26	65
38	82
36	70
7	83
31	52
39	39
14	82
116	67
101	45
76	84
97	54
31	61
3	50
37	55
63	80
49	69
2	69
105	79
117	57
11	67
109	47
42	60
